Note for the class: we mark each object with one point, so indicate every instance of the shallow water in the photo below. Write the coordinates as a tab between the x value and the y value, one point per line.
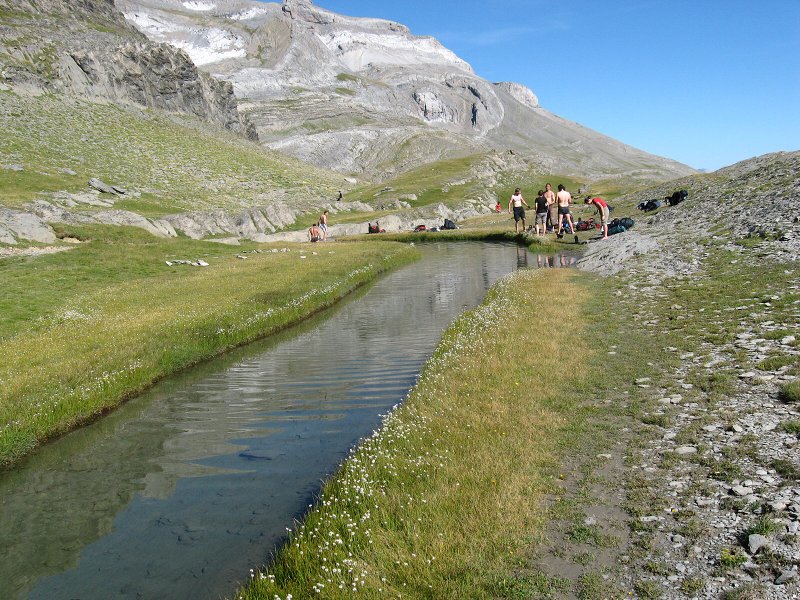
181	491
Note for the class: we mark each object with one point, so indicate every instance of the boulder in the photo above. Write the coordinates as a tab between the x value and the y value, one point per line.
24	225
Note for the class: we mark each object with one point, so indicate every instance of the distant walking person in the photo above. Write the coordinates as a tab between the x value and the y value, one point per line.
541	213
564	199
323	225
602	210
516	203
340	196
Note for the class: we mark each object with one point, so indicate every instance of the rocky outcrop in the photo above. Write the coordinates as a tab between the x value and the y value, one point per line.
16	225
87	49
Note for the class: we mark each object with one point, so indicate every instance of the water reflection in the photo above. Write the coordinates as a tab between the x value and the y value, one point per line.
181	491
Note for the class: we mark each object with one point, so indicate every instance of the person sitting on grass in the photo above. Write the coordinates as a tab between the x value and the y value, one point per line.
314	233
516	203
602	209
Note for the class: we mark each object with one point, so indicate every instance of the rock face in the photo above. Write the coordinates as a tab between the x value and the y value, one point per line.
365	95
87	49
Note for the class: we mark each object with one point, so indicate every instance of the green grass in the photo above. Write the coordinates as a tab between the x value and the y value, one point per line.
176	162
790	392
85	329
773	363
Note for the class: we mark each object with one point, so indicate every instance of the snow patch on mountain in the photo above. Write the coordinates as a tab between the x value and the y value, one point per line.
358	50
199	6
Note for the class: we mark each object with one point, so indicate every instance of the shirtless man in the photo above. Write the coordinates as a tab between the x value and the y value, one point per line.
314	233
516	203
564	199
552	210
323	225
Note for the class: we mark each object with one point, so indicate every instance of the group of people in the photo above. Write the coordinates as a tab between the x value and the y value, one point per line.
318	232
553	211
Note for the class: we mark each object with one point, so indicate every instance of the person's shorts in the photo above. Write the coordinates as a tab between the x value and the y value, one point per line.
541	218
563	210
604	216
323	227
519	213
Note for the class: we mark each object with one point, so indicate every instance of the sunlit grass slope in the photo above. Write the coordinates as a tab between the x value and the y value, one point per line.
176	163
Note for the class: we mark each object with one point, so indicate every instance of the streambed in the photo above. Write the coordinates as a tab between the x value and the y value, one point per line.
181	491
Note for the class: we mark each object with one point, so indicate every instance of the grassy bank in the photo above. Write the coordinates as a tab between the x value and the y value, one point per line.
85	329
446	499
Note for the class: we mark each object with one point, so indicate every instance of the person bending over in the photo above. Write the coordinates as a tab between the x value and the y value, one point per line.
602	210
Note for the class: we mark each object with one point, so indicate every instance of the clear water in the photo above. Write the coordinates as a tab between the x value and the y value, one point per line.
181	491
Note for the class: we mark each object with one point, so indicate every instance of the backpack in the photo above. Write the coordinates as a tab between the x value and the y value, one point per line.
420	228
626	222
677	197
373	228
448	224
615	229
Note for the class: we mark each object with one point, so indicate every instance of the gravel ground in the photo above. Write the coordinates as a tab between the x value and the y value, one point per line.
721	460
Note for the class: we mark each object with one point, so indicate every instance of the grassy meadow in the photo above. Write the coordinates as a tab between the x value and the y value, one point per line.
176	163
92	326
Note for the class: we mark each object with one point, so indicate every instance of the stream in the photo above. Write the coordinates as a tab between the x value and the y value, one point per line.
181	491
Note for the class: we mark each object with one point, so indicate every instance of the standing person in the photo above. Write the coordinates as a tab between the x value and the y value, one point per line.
339	198
323	225
541	213
552	209
516	203
564	199
602	210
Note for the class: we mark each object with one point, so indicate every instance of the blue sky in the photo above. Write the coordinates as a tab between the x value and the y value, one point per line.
706	82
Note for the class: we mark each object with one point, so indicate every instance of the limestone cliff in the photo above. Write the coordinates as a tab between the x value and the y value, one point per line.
87	49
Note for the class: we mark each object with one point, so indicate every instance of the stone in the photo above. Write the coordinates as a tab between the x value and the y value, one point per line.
741	490
102	187
755	542
684	450
785	576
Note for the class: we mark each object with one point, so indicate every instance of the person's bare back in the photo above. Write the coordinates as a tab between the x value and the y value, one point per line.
564	198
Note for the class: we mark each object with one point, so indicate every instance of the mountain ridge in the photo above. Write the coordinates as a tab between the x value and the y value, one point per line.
344	92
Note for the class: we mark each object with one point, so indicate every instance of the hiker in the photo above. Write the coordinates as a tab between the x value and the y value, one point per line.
552	211
340	196
323	225
564	199
516	203
498	207
314	233
602	210
542	206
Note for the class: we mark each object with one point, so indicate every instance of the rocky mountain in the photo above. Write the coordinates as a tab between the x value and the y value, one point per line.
366	96
86	49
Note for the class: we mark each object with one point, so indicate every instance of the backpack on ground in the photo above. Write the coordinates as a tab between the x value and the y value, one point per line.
626	222
677	197
615	229
448	224
420	228
373	228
